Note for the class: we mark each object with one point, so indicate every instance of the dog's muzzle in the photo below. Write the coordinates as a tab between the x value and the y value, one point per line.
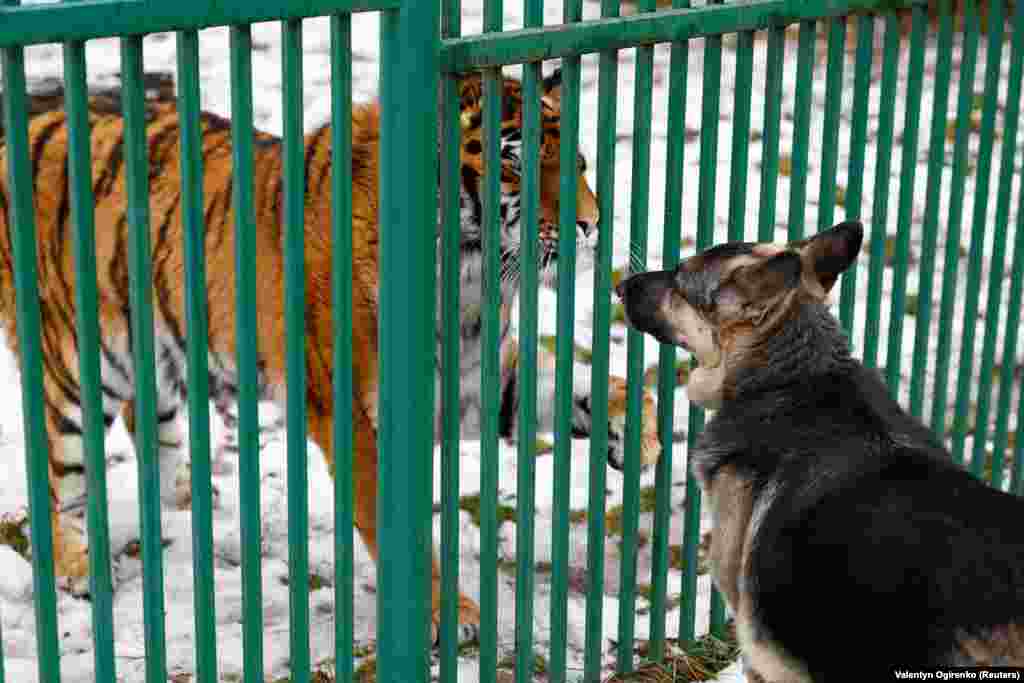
644	296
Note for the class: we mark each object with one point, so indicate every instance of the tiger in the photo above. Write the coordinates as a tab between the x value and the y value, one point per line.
48	139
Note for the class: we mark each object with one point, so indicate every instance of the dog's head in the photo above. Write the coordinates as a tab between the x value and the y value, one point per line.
724	303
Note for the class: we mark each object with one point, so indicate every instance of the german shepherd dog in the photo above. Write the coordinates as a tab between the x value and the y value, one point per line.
845	540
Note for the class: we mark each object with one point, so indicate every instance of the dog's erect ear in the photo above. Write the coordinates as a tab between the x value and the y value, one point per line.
751	290
831	252
552	90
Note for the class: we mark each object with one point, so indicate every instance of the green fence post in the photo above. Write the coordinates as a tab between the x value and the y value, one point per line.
341	287
408	210
598	457
21	217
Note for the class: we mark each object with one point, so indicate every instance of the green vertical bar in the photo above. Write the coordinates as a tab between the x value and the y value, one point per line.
23	245
930	226
965	102
915	77
451	239
691	530
1011	125
801	129
772	118
341	285
198	352
88	335
295	351
408	220
246	351
141	297
880	201
996	268
706	208
741	135
830	128
982	178
527	367
638	220
564	359
858	149
3	675
608	69
490	366
674	153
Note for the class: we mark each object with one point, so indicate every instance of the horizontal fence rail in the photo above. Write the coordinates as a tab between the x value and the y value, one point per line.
671	25
871	164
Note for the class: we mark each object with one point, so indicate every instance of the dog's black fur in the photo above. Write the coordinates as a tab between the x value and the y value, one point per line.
872	547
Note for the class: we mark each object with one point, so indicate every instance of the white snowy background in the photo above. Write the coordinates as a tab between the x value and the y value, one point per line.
43	62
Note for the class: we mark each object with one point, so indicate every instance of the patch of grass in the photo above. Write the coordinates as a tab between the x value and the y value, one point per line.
618	313
701	660
840	195
12	533
540	664
910	305
471	504
676	561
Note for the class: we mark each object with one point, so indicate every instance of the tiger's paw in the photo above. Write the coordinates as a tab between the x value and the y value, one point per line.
650	444
70	556
468	629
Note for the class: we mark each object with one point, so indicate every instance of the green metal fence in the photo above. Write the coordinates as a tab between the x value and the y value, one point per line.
420	66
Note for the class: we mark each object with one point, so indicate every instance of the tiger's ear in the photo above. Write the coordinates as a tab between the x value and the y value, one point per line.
553	90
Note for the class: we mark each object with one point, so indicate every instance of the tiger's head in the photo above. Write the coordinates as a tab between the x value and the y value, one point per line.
472	180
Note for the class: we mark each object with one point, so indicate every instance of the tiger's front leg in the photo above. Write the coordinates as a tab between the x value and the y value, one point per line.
582	402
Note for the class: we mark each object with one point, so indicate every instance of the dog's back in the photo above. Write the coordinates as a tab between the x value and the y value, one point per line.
904	556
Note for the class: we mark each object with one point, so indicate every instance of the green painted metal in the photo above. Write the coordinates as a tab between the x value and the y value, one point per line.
1001	436
572	11
341	296
670	25
667	353
48	23
606	137
982	177
527	368
770	145
197	349
908	168
638	223
247	355
830	128
490	366
801	130
294	216
993	311
21	219
451	241
880	201
958	185
741	136
858	147
88	335
408	253
140	270
930	224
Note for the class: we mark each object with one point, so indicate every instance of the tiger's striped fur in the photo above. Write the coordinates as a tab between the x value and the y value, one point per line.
48	141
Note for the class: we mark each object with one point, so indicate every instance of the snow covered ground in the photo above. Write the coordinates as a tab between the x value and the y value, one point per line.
16	616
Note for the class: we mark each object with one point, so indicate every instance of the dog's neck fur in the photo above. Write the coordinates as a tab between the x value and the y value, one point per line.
809	342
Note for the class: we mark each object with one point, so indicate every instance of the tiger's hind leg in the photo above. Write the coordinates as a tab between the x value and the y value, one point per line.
65	435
